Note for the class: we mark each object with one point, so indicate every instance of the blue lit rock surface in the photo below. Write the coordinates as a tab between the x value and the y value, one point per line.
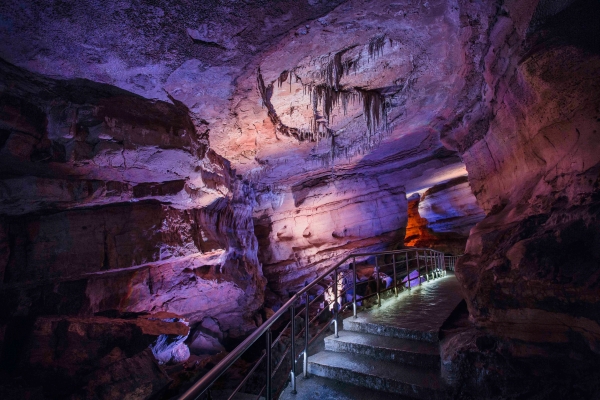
442	216
451	207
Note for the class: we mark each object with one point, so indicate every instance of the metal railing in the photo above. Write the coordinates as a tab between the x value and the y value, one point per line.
407	267
450	262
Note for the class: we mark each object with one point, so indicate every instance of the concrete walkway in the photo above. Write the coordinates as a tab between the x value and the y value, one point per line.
387	352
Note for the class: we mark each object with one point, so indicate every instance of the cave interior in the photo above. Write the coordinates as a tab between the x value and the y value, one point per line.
171	172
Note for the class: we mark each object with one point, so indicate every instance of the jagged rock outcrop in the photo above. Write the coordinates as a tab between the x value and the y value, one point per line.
112	203
442	216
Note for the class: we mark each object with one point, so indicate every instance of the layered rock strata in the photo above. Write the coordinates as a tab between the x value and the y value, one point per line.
113	203
530	275
442	216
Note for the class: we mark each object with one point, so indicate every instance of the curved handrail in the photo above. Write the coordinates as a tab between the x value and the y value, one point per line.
207	380
451	261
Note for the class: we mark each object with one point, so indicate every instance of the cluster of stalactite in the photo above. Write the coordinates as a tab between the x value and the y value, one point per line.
332	94
329	95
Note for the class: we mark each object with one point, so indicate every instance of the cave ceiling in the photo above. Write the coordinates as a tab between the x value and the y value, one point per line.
289	90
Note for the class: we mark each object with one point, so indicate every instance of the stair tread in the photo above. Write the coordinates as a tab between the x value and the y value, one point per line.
388	370
385	342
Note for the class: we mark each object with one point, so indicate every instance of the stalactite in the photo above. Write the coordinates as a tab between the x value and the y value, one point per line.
330	94
282	78
376	45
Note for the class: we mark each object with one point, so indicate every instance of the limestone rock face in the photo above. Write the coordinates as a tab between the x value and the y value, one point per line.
110	191
159	157
112	203
534	169
532	151
308	228
442	217
451	207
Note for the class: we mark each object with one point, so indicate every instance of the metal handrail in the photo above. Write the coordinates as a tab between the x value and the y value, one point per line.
451	261
432	259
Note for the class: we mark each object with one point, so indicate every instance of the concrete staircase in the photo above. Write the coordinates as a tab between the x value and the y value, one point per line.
394	348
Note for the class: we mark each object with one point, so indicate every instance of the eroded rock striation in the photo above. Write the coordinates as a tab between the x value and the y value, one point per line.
113	203
530	144
442	216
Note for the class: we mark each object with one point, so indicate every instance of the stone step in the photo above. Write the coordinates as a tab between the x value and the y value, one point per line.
383	375
319	388
362	325
405	351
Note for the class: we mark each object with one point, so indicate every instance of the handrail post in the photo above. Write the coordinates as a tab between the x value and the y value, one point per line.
395	281
442	264
377	283
354	286
293	348
335	303
418	267
426	269
431	264
307	320
268	337
407	270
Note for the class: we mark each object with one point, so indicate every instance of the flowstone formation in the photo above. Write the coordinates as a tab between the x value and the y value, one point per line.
168	172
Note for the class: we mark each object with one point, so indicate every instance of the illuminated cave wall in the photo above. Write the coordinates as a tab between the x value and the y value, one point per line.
442	217
190	159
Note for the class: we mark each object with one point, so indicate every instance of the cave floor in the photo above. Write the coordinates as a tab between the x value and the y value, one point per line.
421	310
416	315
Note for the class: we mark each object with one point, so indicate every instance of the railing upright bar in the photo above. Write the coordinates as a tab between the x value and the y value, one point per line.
394	277
293	348
377	282
426	269
335	303
418	267
407	272
306	322
354	277
268	372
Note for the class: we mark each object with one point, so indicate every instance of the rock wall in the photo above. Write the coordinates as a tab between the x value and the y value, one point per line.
322	118
442	217
531	147
335	123
307	229
113	205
